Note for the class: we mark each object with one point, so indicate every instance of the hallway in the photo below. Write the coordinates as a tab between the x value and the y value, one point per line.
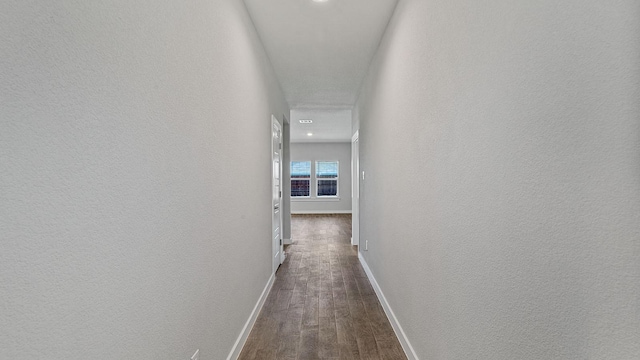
322	305
496	147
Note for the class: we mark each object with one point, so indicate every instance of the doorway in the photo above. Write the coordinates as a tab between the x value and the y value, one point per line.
276	203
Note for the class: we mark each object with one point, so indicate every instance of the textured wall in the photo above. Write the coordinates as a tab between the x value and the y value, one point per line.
132	137
319	152
501	144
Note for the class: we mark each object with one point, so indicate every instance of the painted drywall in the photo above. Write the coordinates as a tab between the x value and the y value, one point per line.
324	152
328	125
501	146
355	116
321	49
134	135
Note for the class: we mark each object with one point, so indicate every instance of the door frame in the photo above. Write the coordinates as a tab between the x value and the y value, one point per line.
276	261
355	189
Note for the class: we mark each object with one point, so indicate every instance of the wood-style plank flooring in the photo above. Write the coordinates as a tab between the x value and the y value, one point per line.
322	305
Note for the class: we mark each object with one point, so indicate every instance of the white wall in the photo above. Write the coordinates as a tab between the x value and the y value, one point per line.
501	144
324	152
132	137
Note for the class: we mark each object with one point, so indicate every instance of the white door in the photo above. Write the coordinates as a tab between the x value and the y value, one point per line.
355	191
276	175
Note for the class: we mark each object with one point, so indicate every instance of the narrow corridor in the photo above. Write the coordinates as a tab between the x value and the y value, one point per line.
322	305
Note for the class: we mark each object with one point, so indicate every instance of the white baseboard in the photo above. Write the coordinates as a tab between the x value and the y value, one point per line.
237	347
402	337
313	212
287	241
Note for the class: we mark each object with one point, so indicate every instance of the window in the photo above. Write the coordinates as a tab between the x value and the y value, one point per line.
300	178
327	178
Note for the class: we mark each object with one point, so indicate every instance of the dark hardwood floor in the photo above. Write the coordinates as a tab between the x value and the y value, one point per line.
322	305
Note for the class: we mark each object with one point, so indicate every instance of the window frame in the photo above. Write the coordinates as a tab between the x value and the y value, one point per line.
336	178
308	179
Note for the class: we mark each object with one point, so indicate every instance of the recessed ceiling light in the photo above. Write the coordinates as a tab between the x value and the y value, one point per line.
320	0
309	134
306	121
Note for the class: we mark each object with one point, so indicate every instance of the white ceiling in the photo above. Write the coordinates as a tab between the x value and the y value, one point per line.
327	126
320	50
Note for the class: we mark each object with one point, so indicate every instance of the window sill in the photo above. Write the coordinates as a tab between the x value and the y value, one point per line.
315	199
